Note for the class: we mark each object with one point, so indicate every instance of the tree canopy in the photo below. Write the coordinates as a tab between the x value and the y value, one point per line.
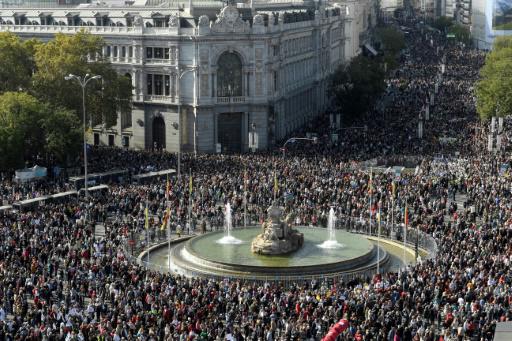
355	87
31	129
461	33
41	112
80	54
442	23
17	63
392	42
495	85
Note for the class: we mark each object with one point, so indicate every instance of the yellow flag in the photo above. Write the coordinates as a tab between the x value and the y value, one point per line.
393	189
146	215
166	218
190	185
275	183
167	188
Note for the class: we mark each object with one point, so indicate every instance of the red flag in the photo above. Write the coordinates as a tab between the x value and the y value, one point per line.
406	217
336	330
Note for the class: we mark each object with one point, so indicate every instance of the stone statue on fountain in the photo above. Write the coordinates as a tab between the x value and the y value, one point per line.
277	235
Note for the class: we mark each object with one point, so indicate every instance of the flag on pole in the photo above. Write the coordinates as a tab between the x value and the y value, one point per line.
275	183
393	189
378	215
146	220
246	178
406	217
190	184
166	218
167	188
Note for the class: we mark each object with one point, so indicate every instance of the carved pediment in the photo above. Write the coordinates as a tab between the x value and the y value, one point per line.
229	21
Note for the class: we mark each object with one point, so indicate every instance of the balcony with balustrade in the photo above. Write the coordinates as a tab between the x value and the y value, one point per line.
231	100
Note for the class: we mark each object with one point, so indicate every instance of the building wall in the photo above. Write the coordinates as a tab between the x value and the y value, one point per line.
286	62
482	29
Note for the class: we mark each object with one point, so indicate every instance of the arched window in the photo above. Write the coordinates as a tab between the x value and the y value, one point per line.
229	75
129	76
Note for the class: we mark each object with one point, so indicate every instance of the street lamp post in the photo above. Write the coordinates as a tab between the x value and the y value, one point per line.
181	74
83	83
293	139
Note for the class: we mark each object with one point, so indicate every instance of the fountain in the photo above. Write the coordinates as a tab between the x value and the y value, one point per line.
228	225
331	243
277	235
272	251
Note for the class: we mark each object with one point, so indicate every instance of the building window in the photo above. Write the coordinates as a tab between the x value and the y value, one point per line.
46	20
115	51
96	139
149	52
102	20
20	19
161	22
166	53
158	53
123	52
126	141
130	52
129	21
109	51
149	84
158	79
110	140
229	75
167	85
74	20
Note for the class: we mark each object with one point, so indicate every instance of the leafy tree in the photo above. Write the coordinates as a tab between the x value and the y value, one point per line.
11	147
495	85
461	33
63	134
442	23
355	87
392	42
80	54
31	128
21	117
16	64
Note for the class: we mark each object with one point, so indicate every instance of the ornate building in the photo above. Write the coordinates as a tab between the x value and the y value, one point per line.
208	76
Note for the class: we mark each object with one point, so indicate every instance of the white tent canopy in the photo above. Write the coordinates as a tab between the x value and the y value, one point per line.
28	174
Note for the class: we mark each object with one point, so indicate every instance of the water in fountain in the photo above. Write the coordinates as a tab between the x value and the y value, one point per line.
331	243
228	225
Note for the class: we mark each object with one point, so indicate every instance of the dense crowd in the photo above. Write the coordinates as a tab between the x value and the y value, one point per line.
59	282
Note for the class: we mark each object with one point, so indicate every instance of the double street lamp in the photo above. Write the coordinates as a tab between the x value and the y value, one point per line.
83	81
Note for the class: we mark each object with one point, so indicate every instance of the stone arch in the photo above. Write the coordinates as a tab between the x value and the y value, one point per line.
230	82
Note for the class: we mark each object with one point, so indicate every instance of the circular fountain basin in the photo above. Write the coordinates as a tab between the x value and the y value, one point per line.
204	256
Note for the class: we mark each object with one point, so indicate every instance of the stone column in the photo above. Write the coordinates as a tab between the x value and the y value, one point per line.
142	85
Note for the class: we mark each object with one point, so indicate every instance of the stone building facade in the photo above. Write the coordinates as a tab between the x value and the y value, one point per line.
228	78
